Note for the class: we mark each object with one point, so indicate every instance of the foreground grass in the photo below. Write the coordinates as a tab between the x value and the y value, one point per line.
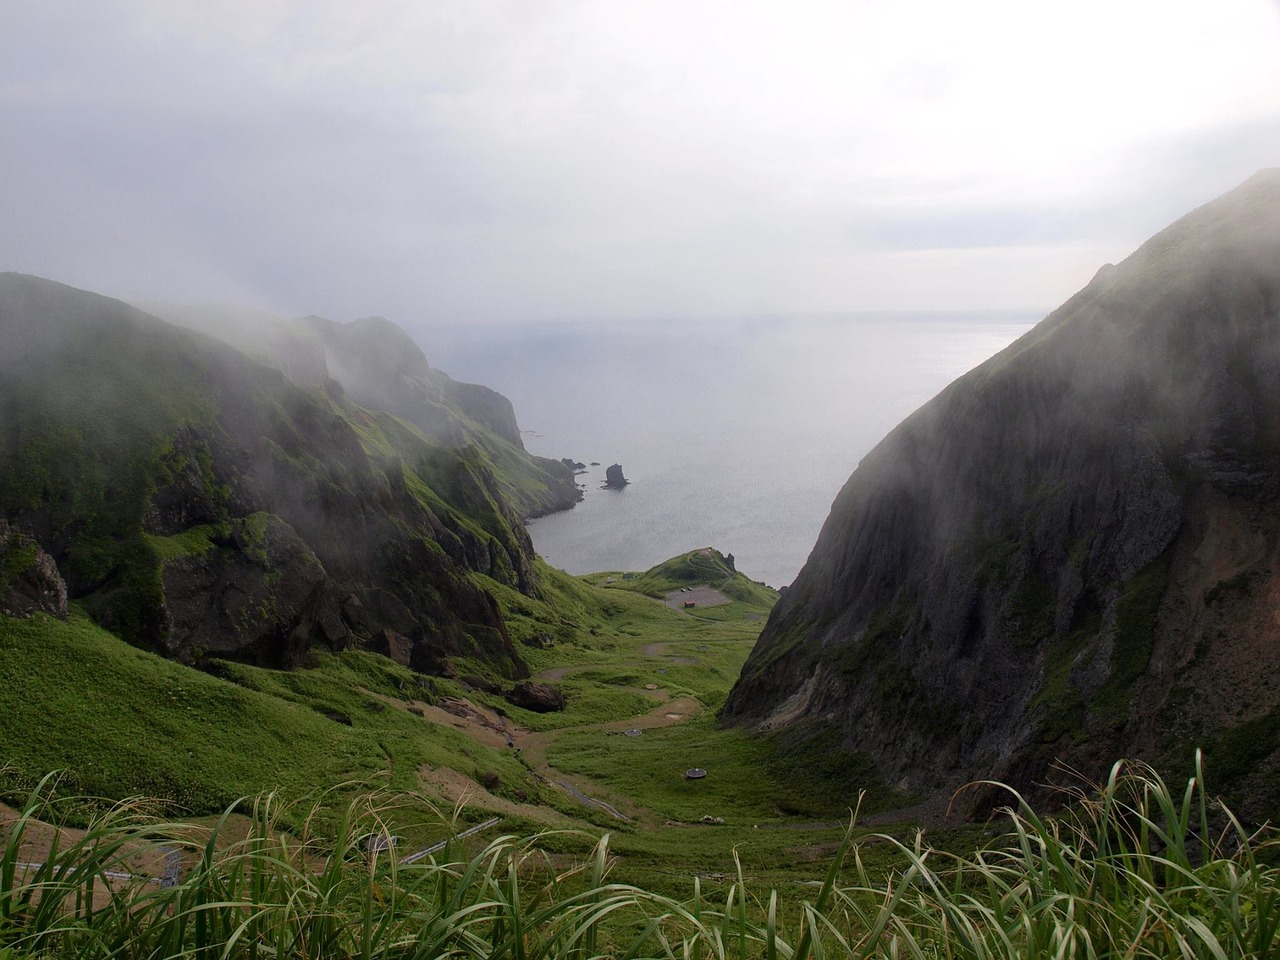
1136	869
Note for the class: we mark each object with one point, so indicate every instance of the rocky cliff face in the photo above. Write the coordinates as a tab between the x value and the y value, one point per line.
378	366
382	368
1073	552
29	578
200	503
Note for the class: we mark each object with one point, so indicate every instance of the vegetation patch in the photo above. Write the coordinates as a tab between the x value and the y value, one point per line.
122	722
17	555
849	783
1034	609
703	567
885	627
194	542
1137	611
1242	582
1060	702
1241	758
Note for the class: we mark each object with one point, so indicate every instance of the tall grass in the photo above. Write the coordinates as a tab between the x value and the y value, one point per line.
1131	869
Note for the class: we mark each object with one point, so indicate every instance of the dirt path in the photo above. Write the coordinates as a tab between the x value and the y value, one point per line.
144	862
669	712
533	748
488	728
459	789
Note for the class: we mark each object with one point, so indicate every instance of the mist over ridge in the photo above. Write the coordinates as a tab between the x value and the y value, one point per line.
201	499
1069	554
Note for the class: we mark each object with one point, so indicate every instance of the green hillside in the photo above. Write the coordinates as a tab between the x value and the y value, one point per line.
199	503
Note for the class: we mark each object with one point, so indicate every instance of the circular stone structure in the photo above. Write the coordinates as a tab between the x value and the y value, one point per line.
697	773
634	733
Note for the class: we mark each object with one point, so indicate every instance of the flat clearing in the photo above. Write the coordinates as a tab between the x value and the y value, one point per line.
702	596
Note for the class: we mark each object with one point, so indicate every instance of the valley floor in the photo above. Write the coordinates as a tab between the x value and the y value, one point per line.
524	813
643	677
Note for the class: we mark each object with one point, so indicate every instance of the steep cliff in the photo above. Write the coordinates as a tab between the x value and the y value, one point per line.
200	503
380	367
1073	552
29	578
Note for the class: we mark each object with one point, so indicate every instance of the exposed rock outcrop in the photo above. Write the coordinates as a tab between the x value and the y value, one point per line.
613	477
377	365
395	646
381	368
538	697
255	592
1073	552
29	578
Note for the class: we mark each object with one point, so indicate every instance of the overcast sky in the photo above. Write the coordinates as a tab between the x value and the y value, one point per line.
498	160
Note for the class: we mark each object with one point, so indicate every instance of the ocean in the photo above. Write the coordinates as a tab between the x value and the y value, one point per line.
735	433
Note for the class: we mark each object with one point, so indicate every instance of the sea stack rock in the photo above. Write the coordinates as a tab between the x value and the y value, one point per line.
613	478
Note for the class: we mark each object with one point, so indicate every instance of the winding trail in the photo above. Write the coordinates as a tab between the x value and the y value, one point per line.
487	727
533	747
591	801
437	847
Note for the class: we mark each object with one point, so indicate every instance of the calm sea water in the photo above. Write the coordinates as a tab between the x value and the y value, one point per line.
735	434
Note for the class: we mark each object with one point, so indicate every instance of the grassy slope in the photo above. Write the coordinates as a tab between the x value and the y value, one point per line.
149	725
92	415
122	721
155	727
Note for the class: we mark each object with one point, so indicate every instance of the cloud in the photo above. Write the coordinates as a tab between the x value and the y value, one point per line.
492	160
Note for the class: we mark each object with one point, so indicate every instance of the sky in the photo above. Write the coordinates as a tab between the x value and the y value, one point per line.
497	161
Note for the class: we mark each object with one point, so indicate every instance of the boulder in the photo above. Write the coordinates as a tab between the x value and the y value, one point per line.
393	645
257	594
538	697
29	579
